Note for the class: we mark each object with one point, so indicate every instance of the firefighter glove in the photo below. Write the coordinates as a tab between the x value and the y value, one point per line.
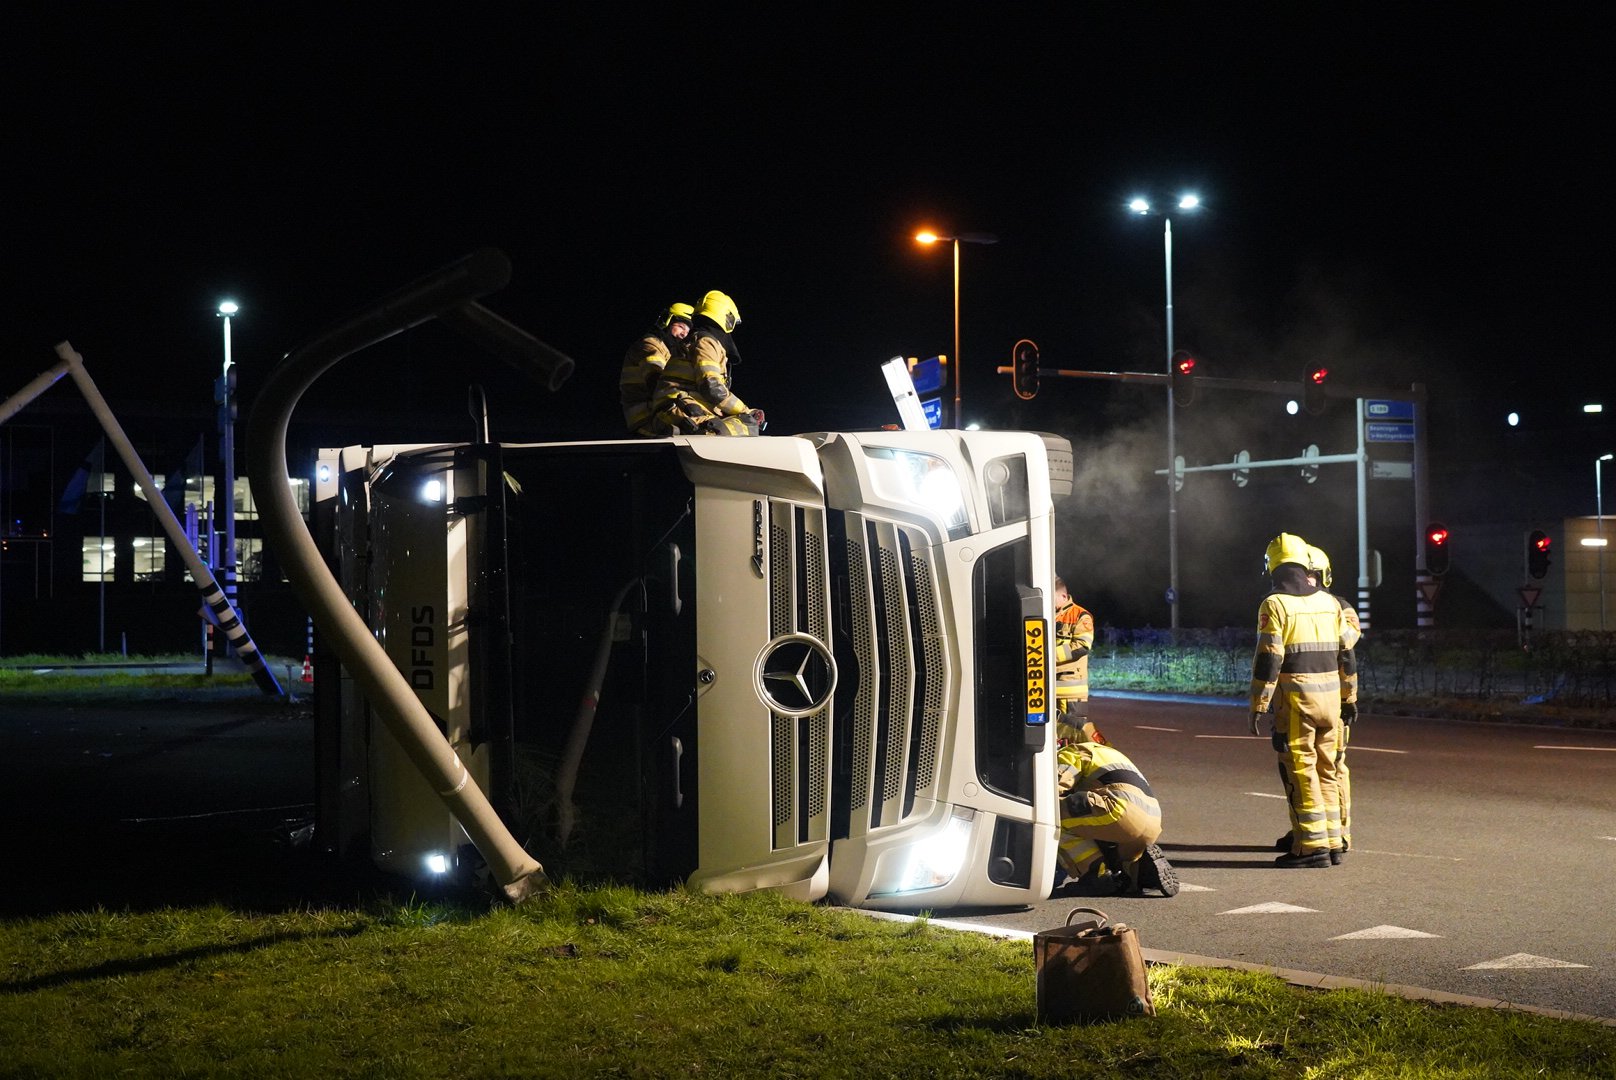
1256	722
1349	712
757	414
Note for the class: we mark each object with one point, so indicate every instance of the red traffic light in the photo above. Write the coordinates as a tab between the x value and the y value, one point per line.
1438	535
1313	390
1541	542
1186	365
1318	376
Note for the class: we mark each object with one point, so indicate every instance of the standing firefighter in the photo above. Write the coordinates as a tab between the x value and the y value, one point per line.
1351	634
1296	671
644	362
1074	639
1110	820
693	396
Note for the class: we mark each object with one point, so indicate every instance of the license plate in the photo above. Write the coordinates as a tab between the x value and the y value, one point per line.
1036	636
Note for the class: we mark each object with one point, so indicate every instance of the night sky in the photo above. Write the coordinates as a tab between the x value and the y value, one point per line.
1402	197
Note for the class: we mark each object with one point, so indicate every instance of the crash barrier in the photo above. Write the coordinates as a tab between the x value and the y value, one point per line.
1572	668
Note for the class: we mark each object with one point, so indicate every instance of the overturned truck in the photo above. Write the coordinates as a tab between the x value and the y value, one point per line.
812	663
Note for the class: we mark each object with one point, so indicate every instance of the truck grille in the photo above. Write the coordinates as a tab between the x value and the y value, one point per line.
799	602
897	640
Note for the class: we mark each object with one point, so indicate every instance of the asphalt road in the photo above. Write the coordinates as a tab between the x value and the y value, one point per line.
1483	860
1484	857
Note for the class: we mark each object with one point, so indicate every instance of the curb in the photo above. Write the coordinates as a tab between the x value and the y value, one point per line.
1307	980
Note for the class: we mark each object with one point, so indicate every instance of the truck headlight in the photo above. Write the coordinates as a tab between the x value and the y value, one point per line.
935	861
920	479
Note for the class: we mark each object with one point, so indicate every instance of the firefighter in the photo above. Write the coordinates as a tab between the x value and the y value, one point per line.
1110	820
1074	639
693	396
644	362
1347	663
1296	672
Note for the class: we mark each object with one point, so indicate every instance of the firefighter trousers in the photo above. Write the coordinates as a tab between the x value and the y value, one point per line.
1117	814
1309	753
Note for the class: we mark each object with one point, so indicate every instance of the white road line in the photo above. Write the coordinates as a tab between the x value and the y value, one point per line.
1272	908
1264	738
1608	838
1404	854
1356	749
1522	960
1605	749
1147	727
1185	886
1383	933
1263	794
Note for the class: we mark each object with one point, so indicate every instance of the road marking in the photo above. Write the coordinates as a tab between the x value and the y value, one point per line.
1382	933
1185	886
1270	909
1264	738
1263	794
1608	838
1404	854
1606	749
1356	749
1521	960
1147	727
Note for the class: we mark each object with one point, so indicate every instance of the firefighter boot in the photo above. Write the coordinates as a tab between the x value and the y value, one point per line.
1155	872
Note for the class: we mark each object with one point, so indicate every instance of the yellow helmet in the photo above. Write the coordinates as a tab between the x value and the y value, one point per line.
675	311
721	309
1319	563
1286	548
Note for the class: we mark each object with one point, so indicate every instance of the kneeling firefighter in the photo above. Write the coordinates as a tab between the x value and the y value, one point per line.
693	396
1110	820
645	361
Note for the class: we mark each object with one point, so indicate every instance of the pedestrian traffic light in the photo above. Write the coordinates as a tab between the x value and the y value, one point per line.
1313	390
1024	369
1436	548
1537	553
1183	374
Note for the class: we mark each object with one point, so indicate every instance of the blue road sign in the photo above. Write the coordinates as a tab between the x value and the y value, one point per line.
929	375
1389	410
933	408
1394	432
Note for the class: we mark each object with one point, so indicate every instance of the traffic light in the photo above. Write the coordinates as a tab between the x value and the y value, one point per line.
1537	553
1436	548
1183	373
1024	369
1313	390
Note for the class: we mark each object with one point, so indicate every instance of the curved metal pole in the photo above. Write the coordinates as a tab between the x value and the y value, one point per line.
518	873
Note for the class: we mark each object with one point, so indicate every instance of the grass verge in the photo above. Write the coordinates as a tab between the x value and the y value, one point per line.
612	982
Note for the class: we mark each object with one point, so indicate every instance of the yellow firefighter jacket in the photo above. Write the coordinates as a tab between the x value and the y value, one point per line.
642	367
696	385
1303	640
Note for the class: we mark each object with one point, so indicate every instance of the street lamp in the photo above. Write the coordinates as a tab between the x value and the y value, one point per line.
224	395
929	237
1143	208
1599	528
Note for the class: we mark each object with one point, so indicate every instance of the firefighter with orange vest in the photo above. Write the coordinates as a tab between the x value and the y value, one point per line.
644	362
694	396
1074	640
1296	672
